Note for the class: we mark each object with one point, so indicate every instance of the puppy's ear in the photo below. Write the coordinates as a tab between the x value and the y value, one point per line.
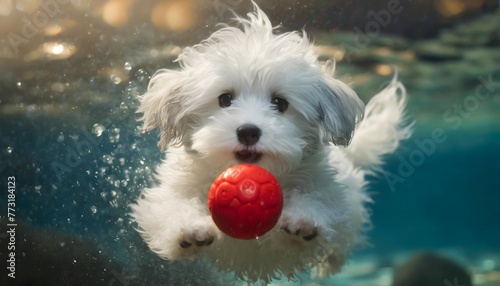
339	109
162	107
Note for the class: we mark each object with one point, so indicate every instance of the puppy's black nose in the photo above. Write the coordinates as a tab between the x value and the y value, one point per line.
248	134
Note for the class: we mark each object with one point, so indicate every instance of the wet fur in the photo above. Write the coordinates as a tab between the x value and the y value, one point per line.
306	148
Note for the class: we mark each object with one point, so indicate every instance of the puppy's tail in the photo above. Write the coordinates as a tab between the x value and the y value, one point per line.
382	128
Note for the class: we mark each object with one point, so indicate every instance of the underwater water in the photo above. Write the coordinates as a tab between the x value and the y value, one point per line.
73	157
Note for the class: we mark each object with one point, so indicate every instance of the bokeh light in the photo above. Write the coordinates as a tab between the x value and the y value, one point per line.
56	50
6	7
174	16
384	70
116	12
27	6
450	8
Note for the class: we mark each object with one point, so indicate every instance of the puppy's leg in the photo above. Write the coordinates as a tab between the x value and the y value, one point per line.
300	228
174	227
301	218
320	227
196	236
325	215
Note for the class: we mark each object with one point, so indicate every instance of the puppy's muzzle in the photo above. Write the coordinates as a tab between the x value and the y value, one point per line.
248	134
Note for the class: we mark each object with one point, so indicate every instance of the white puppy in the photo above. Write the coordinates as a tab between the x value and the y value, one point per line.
246	95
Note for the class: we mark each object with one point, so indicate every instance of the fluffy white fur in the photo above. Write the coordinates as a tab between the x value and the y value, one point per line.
305	147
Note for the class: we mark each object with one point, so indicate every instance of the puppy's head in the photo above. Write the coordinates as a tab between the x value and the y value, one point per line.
245	95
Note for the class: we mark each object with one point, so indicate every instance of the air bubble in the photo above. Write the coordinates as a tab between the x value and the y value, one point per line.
115	79
128	66
97	129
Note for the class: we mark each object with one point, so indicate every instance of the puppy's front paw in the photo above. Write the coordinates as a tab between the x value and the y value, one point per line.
197	237
300	228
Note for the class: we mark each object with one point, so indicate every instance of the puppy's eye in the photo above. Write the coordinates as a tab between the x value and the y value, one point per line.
280	104
225	99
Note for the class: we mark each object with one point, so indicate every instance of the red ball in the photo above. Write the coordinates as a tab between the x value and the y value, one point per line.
245	201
